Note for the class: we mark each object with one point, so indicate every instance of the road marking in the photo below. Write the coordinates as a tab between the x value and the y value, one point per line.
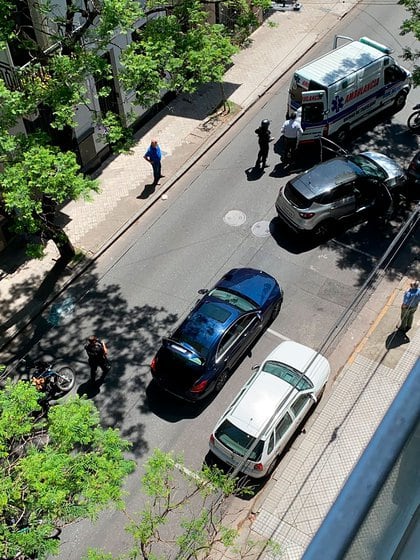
275	333
354	249
375	323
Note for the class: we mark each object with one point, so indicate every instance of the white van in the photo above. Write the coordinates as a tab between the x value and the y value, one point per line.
270	407
345	87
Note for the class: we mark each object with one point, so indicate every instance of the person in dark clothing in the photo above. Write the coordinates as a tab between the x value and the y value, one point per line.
264	139
383	204
154	157
98	356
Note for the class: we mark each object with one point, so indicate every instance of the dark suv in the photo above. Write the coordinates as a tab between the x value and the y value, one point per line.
338	188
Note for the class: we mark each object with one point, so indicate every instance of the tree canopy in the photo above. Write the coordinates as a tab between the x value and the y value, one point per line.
58	49
412	25
185	516
54	469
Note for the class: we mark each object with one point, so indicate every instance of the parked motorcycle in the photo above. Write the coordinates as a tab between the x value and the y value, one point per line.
413	121
53	382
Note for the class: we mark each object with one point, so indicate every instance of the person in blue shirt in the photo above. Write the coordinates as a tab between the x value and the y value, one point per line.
154	157
409	305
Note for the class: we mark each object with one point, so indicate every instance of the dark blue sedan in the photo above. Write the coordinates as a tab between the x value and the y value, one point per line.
207	346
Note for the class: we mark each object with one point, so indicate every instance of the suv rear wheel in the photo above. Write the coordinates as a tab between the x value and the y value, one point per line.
322	229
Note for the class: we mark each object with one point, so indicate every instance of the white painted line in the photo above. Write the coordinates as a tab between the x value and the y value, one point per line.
275	333
354	249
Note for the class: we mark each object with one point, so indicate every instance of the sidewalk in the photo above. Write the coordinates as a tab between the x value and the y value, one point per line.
297	498
185	132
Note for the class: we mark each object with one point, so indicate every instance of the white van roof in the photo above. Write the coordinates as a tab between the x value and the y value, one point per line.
339	63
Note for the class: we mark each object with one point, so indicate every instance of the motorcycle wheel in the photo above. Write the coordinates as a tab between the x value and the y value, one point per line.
413	122
65	379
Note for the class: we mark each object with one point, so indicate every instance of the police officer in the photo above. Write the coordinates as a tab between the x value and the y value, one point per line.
98	356
264	138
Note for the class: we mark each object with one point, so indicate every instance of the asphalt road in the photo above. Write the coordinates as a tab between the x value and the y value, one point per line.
219	216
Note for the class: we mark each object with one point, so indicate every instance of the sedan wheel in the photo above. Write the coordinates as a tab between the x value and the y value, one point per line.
223	377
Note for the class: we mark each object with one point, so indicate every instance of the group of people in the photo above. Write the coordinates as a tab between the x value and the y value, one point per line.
290	132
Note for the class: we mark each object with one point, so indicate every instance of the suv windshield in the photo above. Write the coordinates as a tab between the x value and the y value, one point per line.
288	374
369	167
238	441
233	299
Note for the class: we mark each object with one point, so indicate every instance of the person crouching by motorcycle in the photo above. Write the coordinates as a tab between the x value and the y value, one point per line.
291	131
98	356
45	386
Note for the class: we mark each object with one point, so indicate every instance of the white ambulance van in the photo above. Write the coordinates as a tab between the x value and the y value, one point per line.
345	87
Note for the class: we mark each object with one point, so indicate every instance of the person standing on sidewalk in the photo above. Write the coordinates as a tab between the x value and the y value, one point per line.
291	131
98	356
264	139
411	300
154	157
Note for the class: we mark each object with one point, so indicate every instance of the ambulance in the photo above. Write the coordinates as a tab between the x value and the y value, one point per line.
345	87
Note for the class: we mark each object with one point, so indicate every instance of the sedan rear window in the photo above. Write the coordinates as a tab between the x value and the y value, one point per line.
238	441
288	374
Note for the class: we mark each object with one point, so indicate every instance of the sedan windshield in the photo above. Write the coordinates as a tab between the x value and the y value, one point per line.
233	299
369	167
288	374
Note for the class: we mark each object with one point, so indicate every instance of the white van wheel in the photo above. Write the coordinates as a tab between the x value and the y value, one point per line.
400	100
342	135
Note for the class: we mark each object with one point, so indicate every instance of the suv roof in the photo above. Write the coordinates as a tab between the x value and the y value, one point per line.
325	176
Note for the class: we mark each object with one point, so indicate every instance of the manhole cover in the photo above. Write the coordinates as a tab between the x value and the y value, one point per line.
261	229
234	218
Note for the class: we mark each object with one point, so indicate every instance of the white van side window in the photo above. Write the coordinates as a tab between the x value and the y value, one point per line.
283	426
270	443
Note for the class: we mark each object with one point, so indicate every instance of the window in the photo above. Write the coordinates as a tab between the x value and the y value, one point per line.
300	403
336	195
239	441
288	374
313	113
283	426
270	444
233	299
234	333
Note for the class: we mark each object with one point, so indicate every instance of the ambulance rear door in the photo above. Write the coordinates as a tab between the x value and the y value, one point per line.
314	114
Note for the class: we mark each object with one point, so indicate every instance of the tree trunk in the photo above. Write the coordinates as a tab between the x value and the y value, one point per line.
63	243
54	232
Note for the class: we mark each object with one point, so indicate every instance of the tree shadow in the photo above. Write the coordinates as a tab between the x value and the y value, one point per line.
13	256
19	319
132	334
